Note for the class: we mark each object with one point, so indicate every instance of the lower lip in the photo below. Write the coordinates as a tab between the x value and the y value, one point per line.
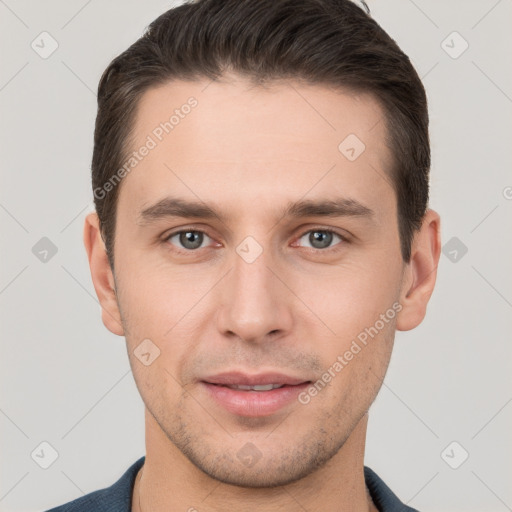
254	403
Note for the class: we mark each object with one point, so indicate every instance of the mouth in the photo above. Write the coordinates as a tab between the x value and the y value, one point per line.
253	395
241	387
242	380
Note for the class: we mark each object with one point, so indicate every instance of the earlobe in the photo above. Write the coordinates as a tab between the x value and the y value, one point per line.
420	273
101	274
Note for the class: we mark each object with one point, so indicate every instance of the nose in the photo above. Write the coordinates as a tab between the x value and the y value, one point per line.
254	304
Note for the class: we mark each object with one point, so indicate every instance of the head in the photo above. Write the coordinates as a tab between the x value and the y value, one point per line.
299	130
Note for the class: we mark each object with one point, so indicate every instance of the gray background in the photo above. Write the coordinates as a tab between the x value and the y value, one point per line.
65	379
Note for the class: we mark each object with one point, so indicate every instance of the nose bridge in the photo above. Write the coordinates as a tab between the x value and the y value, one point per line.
253	304
251	277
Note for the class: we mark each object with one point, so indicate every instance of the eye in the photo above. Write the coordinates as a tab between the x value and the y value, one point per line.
193	239
321	238
188	239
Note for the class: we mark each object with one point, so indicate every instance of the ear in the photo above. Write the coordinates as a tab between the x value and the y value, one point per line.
420	273
101	274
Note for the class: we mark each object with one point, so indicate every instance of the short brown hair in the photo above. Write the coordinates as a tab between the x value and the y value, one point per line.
325	42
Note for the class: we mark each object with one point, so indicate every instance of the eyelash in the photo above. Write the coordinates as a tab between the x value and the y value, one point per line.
343	238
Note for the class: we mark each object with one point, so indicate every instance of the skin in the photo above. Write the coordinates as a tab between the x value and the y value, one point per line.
249	151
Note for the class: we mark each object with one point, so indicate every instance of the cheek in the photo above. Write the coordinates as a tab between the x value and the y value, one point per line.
355	363
154	299
162	312
347	298
355	322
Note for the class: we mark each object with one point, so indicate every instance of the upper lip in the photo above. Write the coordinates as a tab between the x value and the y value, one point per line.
260	379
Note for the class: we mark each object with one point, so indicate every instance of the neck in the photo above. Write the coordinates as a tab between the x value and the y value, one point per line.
169	481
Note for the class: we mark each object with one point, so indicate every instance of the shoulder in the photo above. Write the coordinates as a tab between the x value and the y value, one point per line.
383	497
116	498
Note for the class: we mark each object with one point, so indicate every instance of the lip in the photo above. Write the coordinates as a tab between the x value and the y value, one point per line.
253	403
244	379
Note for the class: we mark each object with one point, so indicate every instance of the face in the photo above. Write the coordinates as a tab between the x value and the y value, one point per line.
291	266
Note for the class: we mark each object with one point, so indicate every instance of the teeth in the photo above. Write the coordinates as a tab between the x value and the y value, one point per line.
265	387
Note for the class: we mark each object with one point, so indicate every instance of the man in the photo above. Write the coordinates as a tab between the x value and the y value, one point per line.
260	174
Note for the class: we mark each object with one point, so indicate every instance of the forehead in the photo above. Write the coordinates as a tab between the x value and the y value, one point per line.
287	139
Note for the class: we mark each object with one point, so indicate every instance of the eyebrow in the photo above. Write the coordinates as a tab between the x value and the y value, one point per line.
177	207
